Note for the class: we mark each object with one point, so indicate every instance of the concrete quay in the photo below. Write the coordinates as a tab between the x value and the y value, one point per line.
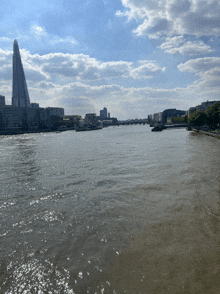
211	134
176	126
168	126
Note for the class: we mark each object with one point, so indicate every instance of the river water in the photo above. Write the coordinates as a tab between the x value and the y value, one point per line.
118	210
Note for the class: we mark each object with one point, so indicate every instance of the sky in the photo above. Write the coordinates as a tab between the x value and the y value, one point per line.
135	57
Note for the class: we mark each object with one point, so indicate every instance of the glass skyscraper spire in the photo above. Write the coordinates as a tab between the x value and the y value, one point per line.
20	96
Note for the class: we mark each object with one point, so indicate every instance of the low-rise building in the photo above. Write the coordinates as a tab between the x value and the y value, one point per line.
155	117
173	112
35	105
191	110
199	108
160	117
58	111
90	118
13	118
206	104
71	118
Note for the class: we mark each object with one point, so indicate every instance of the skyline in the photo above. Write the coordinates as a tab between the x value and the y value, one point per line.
133	57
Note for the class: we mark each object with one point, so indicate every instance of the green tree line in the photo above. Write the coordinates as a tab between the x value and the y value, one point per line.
180	119
210	117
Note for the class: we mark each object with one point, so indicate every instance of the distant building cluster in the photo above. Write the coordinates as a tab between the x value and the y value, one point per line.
104	113
167	115
201	107
106	118
14	118
23	115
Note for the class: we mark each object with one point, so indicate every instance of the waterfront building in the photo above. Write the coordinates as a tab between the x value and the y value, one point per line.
2	100
57	111
191	110
173	112
206	104
35	105
43	118
160	116
201	107
166	115
155	117
90	118
14	119
11	118
107	122
20	96
71	118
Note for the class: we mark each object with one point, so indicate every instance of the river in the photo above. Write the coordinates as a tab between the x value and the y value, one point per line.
117	210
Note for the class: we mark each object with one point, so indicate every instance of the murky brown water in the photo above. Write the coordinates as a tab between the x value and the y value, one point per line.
120	210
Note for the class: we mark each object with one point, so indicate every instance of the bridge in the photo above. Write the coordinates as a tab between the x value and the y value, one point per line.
132	122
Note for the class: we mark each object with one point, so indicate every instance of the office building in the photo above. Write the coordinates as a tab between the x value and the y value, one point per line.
104	113
173	112
20	96
57	111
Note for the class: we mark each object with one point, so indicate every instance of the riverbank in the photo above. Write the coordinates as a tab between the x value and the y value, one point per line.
6	133
20	132
211	134
160	127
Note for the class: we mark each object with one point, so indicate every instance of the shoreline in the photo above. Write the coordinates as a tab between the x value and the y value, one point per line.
6	133
215	135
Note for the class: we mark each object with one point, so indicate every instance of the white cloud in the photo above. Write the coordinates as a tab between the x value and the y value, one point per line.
174	17
58	79
172	42
200	65
66	68
147	70
84	68
172	46
38	30
208	69
5	39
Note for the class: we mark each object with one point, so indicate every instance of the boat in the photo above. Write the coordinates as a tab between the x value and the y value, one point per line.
89	127
158	128
90	123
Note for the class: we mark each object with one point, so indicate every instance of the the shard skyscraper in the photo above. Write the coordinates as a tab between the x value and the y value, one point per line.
20	96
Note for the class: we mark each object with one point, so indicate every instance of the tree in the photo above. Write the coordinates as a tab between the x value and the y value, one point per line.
210	117
213	115
198	118
180	119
